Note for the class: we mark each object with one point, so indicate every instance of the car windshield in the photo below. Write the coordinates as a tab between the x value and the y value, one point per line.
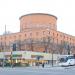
63	59
71	57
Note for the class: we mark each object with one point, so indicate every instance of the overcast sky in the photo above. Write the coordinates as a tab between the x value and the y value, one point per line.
11	10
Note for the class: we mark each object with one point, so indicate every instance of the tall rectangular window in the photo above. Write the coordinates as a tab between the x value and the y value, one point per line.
37	33
30	34
43	32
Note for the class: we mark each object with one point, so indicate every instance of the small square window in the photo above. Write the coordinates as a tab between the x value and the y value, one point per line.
37	33
25	35
30	34
43	32
49	32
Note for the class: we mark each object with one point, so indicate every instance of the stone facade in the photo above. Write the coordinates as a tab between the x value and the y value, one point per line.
38	32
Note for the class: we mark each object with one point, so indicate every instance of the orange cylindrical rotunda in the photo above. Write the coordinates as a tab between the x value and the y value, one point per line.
38	20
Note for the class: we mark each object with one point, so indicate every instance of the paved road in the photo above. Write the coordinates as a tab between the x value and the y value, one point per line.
38	71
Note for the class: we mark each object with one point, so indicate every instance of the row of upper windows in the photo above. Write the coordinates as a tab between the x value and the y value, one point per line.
57	41
44	33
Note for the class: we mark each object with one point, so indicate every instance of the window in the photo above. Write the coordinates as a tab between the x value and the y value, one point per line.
5	37
30	34
53	34
49	32
57	34
64	37
15	37
70	38
1	38
57	41
10	37
61	41
37	33
43	32
60	35
53	40
25	35
19	35
67	38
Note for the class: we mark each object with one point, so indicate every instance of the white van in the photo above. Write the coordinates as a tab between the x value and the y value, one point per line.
66	60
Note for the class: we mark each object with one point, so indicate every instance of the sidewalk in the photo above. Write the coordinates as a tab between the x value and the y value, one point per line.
54	67
46	67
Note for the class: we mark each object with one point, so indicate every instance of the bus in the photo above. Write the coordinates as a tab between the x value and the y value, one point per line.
66	60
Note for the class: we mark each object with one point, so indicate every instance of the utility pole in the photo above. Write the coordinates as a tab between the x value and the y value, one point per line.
4	47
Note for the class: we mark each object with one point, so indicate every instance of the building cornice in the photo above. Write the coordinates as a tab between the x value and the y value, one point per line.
38	14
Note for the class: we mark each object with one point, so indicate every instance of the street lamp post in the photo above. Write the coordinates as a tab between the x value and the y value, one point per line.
52	58
53	47
11	58
38	58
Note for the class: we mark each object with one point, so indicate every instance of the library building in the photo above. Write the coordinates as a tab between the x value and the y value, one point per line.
38	41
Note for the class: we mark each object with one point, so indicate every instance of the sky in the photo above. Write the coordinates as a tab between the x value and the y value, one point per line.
11	10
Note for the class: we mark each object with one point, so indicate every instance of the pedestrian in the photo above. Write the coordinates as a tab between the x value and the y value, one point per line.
43	65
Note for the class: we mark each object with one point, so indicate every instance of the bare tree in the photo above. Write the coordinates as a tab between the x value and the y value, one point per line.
47	43
1	46
65	48
31	44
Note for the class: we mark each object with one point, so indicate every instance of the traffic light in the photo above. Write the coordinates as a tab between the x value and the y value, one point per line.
14	47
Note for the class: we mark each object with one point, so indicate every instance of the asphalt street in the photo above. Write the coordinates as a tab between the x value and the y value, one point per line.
38	71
